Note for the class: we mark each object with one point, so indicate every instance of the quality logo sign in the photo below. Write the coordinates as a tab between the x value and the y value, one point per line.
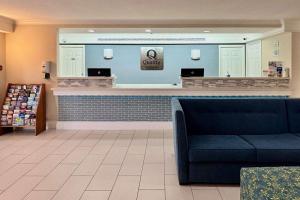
152	58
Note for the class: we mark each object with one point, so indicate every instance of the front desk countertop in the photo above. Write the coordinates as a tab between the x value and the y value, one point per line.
164	92
195	86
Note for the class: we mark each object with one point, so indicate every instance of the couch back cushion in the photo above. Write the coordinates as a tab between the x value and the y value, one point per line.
293	109
235	116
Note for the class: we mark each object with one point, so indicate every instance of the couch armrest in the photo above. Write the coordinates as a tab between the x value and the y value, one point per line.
180	141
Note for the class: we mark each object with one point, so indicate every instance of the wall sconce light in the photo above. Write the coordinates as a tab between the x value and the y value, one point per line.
195	54
108	54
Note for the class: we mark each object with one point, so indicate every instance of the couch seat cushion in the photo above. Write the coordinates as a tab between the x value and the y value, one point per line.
281	148
220	148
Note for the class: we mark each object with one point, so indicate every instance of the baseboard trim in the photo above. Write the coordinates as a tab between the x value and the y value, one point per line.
51	124
112	125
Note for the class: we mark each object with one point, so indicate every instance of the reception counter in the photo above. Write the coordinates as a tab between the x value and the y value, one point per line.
189	86
97	105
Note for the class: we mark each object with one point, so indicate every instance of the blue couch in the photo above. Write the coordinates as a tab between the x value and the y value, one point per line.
215	138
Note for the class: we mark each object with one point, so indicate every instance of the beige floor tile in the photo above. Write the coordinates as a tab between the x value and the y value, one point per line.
204	187
57	177
10	162
100	132
230	193
32	167
152	176
132	165
39	155
73	188
29	149
21	188
138	146
207	194
40	195
46	166
71	143
109	138
66	148
179	193
168	133
116	155
172	180
80	135
174	191
159	142
139	143
76	156
89	165
61	138
156	138
156	133
4	144
104	178
95	195
169	146
13	174
127	132
91	140
141	134
100	149
123	140
113	132
105	144
170	164
151	195
168	141
126	187
8	151
154	154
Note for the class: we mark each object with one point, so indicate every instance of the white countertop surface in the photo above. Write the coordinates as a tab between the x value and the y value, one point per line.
78	91
85	78
236	78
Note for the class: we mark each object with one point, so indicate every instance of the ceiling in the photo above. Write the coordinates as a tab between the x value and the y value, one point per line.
143	11
173	30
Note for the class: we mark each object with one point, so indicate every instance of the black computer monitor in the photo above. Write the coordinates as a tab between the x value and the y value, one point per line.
192	72
99	72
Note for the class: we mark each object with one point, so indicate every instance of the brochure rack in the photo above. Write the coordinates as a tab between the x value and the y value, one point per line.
24	107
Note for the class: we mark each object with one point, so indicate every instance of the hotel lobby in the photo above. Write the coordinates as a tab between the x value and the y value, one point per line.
160	100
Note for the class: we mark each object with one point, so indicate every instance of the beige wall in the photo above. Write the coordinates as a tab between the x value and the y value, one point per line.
285	52
296	64
26	49
2	62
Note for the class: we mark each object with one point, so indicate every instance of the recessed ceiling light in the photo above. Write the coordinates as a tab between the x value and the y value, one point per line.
206	31
148	30
91	31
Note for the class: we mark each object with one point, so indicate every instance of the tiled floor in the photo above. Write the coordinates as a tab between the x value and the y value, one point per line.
96	165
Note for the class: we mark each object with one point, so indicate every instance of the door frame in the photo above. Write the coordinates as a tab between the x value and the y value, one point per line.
60	57
244	57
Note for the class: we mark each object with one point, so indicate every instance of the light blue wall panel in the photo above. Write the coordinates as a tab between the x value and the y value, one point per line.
126	62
